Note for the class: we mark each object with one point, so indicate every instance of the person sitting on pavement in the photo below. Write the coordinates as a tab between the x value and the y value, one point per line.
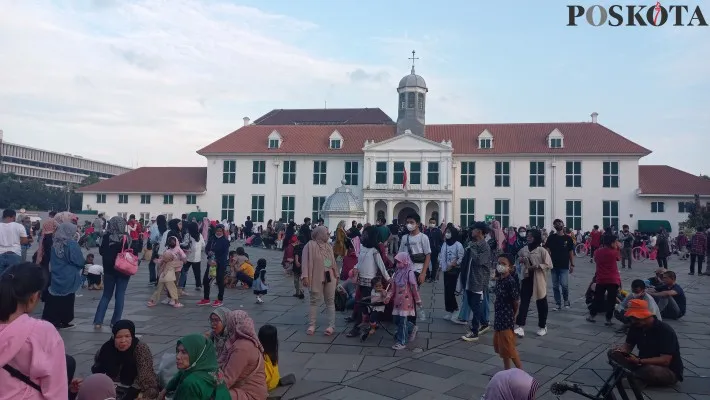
658	362
670	297
657	278
638	291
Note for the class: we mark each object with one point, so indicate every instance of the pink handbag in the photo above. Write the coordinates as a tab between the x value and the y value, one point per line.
126	261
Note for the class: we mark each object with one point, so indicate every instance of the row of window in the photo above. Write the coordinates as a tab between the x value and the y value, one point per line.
573	212
487	143
573	173
288	207
146	198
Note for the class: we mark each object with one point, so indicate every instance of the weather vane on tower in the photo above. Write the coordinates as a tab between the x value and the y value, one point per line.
413	58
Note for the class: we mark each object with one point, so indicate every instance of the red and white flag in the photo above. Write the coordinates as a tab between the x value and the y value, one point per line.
404	179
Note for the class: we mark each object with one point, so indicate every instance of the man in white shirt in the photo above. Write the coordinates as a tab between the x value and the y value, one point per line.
418	247
12	237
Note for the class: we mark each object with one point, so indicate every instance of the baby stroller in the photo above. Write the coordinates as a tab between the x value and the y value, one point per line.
371	329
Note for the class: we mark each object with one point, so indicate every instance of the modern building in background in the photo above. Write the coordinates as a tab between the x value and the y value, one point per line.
286	163
54	169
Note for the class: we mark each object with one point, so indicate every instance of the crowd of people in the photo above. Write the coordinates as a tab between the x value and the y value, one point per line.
383	266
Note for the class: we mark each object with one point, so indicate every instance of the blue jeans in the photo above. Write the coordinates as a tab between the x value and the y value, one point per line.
485	300
404	328
474	303
111	282
7	260
560	277
465	312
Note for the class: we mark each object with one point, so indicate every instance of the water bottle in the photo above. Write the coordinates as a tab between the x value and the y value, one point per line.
422	314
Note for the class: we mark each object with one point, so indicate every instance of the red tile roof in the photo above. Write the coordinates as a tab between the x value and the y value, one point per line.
579	138
325	116
663	179
154	180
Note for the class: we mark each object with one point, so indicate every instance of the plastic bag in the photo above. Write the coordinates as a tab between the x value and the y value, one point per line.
167	369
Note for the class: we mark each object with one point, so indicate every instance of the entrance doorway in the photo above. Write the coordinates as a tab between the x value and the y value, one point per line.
402	216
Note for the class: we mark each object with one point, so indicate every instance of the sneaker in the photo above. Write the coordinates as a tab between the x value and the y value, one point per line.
447	316
470	337
557	307
66	326
259	300
166	301
519	332
178	305
483	329
398	346
217	303
458	321
590	319
413	334
542	331
198	288
203	302
567	305
609	322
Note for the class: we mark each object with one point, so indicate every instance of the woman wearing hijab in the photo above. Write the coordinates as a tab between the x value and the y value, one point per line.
111	245
511	384
320	276
290	231
450	259
536	264
66	216
339	248
198	376
127	361
498	235
156	234
242	359
65	277
97	387
218	328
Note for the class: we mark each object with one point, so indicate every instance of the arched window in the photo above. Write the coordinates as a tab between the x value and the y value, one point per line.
420	101
410	99
435	216
380	215
402	101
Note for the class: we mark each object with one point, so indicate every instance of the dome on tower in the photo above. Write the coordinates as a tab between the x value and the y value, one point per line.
343	200
412	80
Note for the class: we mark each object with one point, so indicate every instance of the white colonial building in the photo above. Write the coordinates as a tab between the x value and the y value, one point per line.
286	163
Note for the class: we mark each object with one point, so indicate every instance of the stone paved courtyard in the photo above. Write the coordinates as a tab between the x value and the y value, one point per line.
339	368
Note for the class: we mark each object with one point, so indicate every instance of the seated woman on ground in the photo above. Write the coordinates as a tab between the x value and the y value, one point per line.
241	361
218	328
198	372
127	361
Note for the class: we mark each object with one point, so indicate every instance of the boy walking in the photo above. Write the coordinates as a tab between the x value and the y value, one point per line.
506	307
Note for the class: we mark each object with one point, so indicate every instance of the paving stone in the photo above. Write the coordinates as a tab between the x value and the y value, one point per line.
325	375
349	362
426	381
429	395
302	388
695	385
350	393
389	388
341	349
466	392
312	348
371	363
424	367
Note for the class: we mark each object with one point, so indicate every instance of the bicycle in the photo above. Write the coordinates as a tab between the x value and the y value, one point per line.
642	253
582	249
607	391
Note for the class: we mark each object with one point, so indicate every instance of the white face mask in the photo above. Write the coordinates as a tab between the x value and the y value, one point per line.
447	235
502	268
432	225
410	227
522	234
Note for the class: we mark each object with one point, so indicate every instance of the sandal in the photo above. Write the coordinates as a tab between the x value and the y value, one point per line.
151	304
311	330
329	331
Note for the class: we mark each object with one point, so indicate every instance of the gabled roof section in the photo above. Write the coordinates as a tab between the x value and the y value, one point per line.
555	134
666	180
275	135
148	180
580	138
325	116
406	142
485	135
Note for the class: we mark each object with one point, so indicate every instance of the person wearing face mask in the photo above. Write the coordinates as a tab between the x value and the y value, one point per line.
521	240
218	248
638	291
475	275
507	302
417	245
627	243
535	262
435	240
561	248
450	258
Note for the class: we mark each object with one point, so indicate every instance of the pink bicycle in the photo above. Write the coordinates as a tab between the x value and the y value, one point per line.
643	253
583	249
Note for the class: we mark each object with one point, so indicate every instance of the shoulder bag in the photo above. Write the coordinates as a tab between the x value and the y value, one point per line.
22	377
417	258
126	261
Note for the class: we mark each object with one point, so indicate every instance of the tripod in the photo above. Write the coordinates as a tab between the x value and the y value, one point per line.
607	391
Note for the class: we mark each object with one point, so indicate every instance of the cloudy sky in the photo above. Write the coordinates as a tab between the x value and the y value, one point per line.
148	82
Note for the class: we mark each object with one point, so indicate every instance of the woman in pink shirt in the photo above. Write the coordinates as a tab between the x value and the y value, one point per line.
31	350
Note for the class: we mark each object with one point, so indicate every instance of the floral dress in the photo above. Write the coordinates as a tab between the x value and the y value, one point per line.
406	296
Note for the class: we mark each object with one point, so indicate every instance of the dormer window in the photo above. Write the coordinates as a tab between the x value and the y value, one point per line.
275	140
335	141
555	140
485	140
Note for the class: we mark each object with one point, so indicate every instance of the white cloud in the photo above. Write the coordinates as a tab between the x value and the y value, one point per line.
152	81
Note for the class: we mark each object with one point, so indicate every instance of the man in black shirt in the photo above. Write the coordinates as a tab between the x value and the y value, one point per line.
435	241
561	248
658	362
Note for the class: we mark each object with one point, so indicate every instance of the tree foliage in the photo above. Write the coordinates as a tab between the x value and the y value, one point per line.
33	194
699	215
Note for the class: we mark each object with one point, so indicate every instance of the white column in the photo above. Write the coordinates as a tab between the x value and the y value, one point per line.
442	212
390	211
422	212
450	211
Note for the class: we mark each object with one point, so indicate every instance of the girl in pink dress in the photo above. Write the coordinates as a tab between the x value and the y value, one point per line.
405	292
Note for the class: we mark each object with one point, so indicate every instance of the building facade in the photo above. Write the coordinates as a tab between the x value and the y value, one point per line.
54	169
286	163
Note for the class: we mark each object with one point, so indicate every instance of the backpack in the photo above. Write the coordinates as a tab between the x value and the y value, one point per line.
341	297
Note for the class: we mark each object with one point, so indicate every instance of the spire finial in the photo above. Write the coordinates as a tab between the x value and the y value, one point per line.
413	58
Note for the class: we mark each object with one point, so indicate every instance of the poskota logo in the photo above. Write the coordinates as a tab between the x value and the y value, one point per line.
637	15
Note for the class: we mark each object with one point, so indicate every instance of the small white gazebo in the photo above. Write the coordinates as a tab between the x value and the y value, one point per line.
342	205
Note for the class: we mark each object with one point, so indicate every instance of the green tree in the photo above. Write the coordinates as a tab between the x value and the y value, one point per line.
89	180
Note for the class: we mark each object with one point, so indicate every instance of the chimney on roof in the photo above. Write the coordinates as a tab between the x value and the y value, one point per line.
594	117
246	121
